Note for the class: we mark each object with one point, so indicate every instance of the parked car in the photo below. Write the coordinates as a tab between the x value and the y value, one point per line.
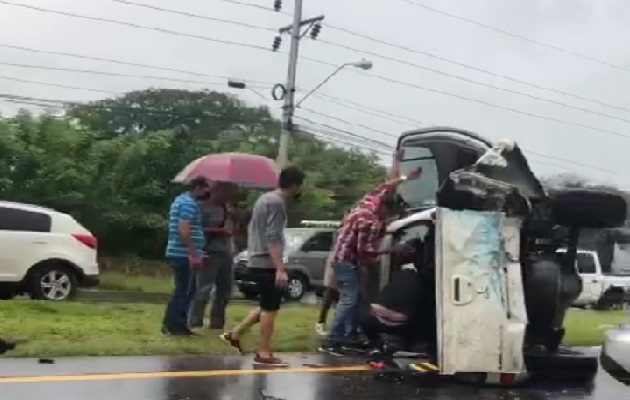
305	255
615	355
486	235
44	253
600	290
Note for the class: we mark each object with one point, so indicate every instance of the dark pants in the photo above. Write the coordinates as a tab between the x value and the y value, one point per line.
330	296
216	273
374	329
176	316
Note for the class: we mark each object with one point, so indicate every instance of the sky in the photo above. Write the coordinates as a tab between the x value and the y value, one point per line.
580	51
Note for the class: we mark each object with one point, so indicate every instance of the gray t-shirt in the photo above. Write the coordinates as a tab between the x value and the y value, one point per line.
269	219
215	216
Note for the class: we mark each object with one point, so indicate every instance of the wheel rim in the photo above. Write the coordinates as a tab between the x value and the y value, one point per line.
295	288
56	285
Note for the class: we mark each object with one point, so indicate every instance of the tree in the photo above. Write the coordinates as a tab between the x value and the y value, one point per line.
110	163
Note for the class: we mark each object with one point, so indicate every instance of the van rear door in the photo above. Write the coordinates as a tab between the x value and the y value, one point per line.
480	301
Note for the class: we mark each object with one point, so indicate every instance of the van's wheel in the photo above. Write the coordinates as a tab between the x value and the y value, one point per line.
54	282
296	287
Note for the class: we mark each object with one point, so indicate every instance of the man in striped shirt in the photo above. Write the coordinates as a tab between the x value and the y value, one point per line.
184	253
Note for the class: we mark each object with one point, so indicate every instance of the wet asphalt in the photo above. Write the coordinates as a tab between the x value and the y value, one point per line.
234	378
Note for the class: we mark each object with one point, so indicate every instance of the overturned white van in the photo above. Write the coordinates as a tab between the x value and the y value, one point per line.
496	289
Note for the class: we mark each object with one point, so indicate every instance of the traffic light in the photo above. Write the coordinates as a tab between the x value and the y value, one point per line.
276	43
315	30
277	5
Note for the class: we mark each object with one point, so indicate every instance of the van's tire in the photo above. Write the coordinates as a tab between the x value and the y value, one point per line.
53	281
297	286
581	208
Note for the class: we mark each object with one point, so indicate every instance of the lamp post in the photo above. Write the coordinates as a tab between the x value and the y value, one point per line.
289	107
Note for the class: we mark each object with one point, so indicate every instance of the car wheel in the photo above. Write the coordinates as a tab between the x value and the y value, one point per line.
296	287
53	282
250	296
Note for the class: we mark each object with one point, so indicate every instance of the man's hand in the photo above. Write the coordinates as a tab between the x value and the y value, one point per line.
281	278
195	261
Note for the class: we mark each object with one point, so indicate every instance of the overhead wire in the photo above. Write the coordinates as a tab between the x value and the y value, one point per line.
473	81
320	61
517	36
326	63
447	60
134	25
116	74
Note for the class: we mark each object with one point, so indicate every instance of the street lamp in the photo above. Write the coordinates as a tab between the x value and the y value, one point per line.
361	64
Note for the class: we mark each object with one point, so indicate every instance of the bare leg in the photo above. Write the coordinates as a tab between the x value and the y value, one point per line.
252	319
267	324
326	304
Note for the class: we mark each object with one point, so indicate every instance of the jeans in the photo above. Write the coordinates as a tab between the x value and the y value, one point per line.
176	315
216	273
345	321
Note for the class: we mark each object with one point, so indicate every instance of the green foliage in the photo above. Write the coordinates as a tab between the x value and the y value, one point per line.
110	163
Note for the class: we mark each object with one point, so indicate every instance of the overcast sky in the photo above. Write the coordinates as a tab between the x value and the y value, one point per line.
592	28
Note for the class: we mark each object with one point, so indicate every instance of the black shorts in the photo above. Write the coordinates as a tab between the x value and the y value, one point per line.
270	294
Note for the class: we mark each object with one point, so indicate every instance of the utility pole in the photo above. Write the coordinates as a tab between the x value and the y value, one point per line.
295	31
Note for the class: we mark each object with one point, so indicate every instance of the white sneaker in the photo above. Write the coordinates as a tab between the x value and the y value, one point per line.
321	329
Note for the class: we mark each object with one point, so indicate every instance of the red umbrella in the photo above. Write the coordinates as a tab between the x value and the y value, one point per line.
247	170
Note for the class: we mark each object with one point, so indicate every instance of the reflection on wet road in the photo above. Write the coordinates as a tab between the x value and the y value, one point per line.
233	378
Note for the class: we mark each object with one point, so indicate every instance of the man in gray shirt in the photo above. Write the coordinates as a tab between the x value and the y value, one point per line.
216	271
265	246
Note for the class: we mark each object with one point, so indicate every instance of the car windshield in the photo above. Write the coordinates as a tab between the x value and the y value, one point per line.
295	237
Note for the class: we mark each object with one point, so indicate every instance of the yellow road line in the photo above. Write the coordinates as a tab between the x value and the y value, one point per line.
173	374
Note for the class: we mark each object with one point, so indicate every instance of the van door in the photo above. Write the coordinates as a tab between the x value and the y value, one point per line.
480	301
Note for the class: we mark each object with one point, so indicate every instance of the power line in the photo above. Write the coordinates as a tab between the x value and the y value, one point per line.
134	25
465	79
363	139
12	78
114	61
444	59
483	102
115	74
191	15
350	123
515	35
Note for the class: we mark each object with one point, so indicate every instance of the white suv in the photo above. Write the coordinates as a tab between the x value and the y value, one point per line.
44	253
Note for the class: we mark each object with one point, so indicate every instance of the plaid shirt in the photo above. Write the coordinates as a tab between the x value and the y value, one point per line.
362	230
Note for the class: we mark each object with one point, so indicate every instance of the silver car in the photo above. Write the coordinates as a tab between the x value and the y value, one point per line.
306	252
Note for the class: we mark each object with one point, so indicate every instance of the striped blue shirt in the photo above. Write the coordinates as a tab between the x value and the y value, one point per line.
184	208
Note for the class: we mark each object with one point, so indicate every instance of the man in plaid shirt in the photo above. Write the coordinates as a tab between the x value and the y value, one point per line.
357	246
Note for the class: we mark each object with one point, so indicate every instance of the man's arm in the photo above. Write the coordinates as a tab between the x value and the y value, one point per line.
187	214
274	232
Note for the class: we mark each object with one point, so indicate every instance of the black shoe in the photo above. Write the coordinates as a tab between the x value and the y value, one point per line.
333	350
6	346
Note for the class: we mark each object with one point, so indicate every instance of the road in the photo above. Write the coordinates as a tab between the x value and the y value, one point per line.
234	378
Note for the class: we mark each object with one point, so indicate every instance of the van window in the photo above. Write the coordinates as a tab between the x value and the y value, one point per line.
421	192
585	263
321	241
12	219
